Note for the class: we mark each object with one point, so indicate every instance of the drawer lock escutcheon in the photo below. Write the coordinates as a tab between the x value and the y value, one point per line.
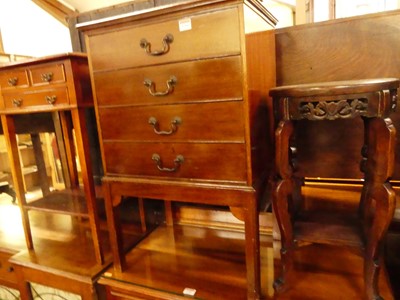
178	161
167	40
12	81
47	77
174	126
17	102
51	99
171	82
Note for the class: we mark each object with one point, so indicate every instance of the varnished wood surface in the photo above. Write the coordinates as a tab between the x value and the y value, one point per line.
198	122
327	273
135	159
187	45
365	231
213	170
343	49
62	242
45	59
196	81
70	202
321	272
173	258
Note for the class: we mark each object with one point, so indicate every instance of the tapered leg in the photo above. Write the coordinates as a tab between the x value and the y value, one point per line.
113	223
10	135
82	145
252	249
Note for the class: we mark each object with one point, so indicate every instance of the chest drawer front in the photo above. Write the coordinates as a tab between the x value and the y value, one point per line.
51	73
226	162
216	121
14	79
194	81
212	34
6	271
45	99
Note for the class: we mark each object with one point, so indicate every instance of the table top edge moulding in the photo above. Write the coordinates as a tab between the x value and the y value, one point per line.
43	59
118	19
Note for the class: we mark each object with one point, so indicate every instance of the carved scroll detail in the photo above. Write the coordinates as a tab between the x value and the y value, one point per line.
332	110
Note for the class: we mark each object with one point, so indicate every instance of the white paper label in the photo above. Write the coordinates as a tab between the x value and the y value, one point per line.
189	292
185	24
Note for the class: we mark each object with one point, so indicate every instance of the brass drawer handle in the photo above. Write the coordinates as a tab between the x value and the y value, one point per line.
171	82
51	99
12	81
17	102
174	126
177	162
47	77
167	40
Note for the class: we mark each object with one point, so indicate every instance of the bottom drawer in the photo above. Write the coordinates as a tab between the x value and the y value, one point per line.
7	273
45	99
221	162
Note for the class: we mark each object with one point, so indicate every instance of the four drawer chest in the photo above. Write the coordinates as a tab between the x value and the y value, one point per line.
181	97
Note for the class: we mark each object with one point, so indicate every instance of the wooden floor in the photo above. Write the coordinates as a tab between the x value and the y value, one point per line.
210	260
174	258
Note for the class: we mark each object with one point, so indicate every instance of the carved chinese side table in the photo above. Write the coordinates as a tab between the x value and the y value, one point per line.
372	100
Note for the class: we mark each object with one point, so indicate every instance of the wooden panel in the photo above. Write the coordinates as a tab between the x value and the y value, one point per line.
198	122
351	48
207	38
202	161
29	100
55	74
19	76
201	80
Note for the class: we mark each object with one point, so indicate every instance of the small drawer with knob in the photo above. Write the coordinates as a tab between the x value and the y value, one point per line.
14	79
44	100
47	74
7	273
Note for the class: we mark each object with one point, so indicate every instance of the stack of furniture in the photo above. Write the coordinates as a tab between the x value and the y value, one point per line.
181	100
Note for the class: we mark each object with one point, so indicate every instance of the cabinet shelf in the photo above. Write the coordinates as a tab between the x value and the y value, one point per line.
68	202
328	228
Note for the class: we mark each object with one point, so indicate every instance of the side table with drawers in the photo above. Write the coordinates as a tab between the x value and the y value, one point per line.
181	98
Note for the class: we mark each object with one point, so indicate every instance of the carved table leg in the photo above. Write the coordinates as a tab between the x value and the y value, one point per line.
281	199
378	197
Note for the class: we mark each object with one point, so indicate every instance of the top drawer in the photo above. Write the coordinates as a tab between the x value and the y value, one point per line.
52	73
13	79
198	36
